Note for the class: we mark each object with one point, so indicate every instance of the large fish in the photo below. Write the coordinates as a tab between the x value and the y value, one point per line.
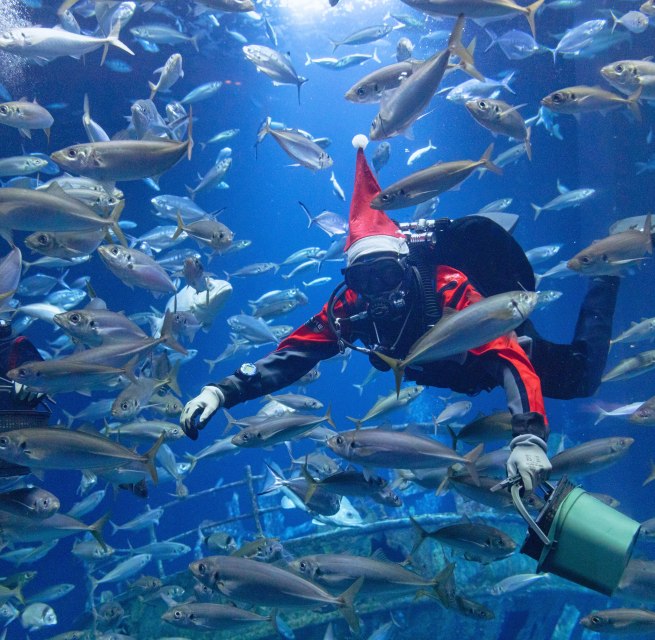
390	402
51	448
393	449
50	210
629	75
42	45
633	366
611	255
337	570
500	117
402	108
303	150
25	116
258	583
115	160
477	9
274	64
590	457
428	183
210	615
460	331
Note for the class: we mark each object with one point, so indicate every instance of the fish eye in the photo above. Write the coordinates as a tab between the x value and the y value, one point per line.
361	91
74	318
302	566
482	104
202	568
114	251
177	614
4	109
42	239
71	153
619	68
585	259
558	97
4	441
125	405
339	440
596	619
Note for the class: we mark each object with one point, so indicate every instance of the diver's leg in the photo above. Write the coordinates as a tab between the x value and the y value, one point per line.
593	331
575	370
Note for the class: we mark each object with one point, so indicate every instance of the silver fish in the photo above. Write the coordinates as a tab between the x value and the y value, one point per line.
297	146
275	65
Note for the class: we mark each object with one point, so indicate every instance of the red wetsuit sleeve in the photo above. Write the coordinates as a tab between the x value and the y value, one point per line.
517	375
297	354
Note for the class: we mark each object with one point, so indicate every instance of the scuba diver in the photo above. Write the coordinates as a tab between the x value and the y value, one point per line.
396	287
19	407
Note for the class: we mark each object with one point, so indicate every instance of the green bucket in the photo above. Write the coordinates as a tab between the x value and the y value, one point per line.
587	541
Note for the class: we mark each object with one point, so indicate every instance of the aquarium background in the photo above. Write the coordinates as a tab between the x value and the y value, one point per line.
598	151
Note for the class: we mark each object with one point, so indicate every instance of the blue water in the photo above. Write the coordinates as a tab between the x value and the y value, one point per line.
261	204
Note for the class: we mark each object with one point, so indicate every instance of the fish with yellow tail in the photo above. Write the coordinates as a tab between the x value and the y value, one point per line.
459	331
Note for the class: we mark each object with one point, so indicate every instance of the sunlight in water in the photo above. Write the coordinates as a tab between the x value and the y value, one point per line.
309	10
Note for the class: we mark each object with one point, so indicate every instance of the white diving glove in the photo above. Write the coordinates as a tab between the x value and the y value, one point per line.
528	459
202	407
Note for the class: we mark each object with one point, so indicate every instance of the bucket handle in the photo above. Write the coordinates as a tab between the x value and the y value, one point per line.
520	507
514	483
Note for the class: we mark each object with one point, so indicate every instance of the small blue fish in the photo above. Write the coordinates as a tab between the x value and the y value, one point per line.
118	66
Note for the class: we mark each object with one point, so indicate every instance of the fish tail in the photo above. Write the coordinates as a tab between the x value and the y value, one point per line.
537	209
531	10
150	456
633	103
115	227
485	160
96	528
615	20
180	225
194	42
264	130
211	363
422	535
442	577
328	417
309	215
455	41
493	37
273	483
113	40
230	421
334	44
396	365
167	335
312	485
470	458
308	59
346	608
193	460
357	421
602	414
153	89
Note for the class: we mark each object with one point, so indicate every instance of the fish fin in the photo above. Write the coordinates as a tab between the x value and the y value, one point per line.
95	530
485	160
114	41
346	608
531	10
150	456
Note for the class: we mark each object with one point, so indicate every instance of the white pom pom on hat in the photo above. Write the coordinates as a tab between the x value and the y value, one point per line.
360	141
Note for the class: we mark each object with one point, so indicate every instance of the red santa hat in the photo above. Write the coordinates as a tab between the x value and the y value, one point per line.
370	230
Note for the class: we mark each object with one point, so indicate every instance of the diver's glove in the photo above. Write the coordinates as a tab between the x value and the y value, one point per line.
528	459
202	407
